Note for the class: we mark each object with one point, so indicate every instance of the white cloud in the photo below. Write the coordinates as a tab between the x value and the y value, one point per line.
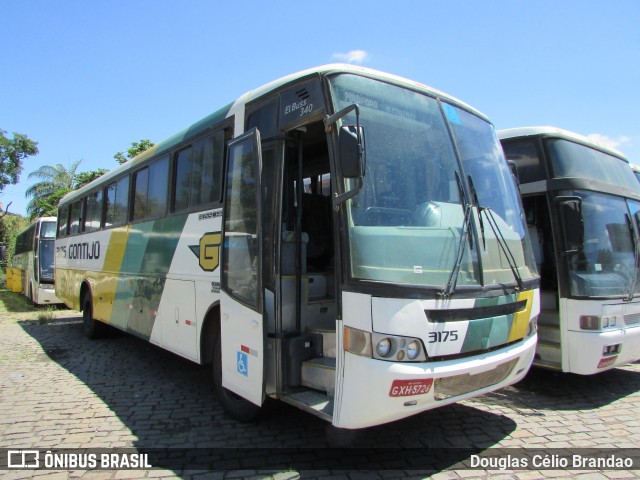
354	56
608	141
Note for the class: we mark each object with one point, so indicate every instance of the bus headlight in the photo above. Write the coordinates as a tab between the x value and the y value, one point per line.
387	347
413	350
395	348
383	347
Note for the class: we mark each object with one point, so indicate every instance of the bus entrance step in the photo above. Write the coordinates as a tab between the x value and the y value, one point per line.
328	339
313	402
548	355
320	374
549	335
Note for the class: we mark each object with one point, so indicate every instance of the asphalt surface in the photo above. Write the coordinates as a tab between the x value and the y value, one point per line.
59	390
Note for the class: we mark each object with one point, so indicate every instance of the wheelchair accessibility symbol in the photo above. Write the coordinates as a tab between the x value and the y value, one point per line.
243	364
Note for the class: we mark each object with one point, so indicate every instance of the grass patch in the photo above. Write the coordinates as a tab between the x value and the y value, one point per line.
47	315
11	302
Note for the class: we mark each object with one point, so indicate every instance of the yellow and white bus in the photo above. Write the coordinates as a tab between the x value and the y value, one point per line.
344	240
33	262
582	203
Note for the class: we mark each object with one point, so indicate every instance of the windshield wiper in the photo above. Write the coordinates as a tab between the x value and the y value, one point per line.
464	235
474	195
502	243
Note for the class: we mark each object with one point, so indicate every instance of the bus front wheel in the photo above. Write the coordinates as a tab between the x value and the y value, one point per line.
236	406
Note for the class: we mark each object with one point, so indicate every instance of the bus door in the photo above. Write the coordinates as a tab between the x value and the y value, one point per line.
241	324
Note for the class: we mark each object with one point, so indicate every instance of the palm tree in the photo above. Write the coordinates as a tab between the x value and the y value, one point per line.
54	182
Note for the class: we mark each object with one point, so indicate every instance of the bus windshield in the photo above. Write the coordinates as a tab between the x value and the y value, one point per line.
605	266
407	224
570	159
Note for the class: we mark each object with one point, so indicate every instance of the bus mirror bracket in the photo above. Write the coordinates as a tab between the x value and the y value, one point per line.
572	224
351	150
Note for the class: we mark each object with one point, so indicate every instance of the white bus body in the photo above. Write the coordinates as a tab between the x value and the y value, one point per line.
261	239
582	201
34	257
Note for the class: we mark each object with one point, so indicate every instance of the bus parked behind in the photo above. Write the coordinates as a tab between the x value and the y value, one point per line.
33	262
582	204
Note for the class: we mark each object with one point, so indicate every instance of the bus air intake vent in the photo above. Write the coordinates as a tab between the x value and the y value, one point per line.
466	314
447	387
632	319
302	94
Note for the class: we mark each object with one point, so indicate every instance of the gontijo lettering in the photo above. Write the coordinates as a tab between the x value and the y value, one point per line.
84	251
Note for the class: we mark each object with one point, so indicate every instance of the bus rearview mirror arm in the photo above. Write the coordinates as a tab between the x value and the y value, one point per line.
352	152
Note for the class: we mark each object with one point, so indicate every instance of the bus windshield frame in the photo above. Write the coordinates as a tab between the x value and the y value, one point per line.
428	162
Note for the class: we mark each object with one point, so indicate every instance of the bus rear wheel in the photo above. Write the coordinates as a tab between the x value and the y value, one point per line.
236	406
92	329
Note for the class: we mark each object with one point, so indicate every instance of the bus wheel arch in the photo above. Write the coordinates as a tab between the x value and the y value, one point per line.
210	329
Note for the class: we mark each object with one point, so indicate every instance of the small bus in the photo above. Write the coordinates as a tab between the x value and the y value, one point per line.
581	201
344	240
33	262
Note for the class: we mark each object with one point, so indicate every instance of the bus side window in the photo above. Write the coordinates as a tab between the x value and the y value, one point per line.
93	212
117	203
63	220
150	190
74	224
198	173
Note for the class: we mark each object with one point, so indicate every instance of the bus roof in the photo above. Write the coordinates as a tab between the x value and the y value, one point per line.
559	133
219	115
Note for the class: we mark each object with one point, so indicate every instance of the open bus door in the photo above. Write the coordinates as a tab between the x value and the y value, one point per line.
242	327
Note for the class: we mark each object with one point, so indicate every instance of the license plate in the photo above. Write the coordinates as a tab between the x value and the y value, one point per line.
407	388
607	362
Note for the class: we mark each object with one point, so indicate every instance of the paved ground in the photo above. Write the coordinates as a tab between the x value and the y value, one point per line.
59	390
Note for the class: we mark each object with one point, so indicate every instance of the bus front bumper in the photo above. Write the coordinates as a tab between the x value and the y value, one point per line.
594	352
376	392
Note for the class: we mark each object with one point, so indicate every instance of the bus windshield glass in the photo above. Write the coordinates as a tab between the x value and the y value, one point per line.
48	230
606	264
407	224
570	159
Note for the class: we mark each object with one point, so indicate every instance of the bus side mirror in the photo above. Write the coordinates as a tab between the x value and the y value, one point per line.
352	151
572	224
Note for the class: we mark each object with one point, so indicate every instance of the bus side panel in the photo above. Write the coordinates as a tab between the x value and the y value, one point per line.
147	258
106	282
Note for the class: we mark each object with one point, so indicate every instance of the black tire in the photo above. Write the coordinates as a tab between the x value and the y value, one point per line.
236	406
92	329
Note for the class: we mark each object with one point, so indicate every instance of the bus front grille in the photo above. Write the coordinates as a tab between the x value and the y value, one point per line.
448	387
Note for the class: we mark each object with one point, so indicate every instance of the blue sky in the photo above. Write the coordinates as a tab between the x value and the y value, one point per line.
85	79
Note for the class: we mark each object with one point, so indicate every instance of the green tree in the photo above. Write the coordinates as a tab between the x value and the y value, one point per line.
54	183
12	152
83	178
136	149
10	226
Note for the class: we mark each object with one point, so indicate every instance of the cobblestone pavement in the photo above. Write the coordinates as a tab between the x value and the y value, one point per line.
60	390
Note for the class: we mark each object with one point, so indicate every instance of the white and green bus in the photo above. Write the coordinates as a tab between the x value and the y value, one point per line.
344	240
33	261
582	203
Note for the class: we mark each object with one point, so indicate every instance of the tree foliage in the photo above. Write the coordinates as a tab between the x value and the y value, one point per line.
136	149
53	183
10	226
12	152
82	178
